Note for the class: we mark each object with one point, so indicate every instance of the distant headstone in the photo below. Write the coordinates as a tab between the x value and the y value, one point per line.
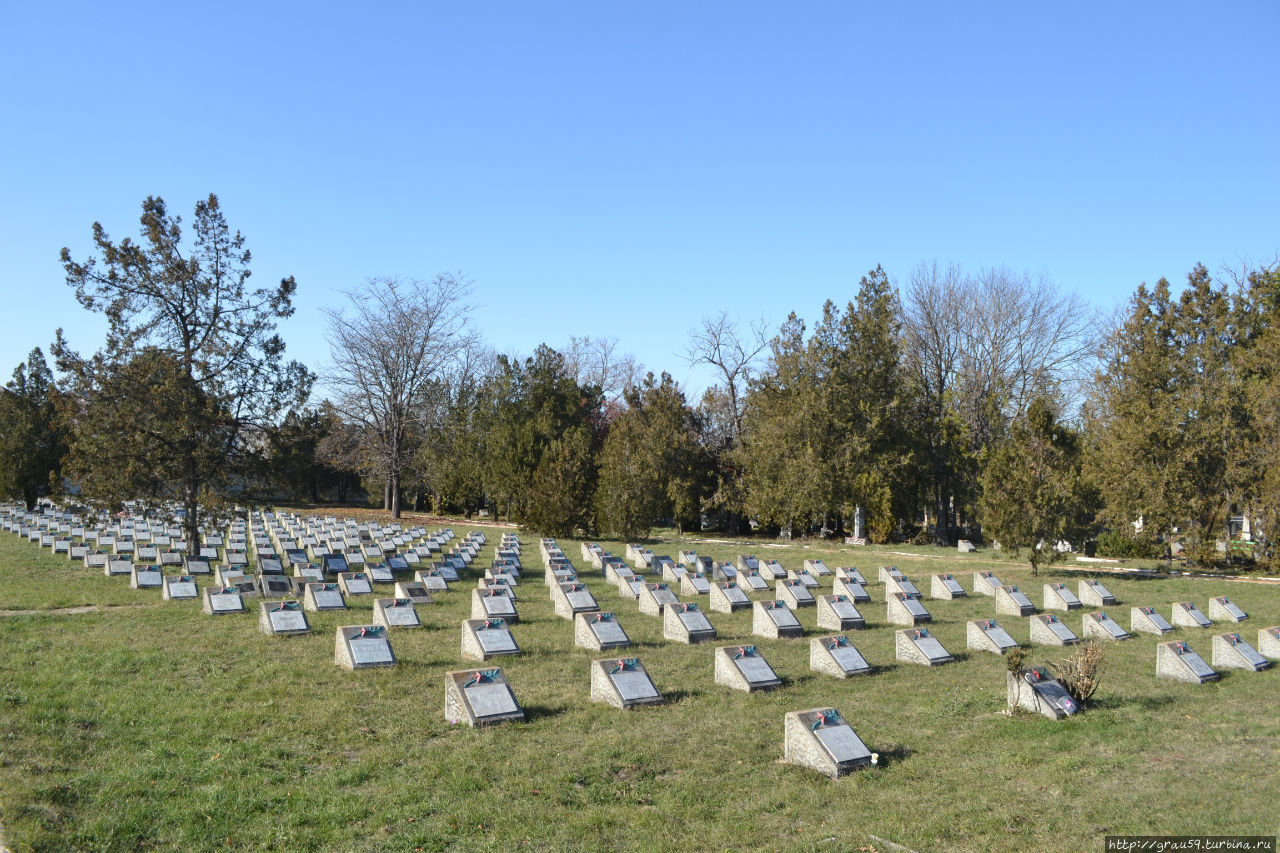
856	592
850	573
480	697
685	623
986	635
283	618
177	587
395	613
727	596
694	584
1058	597
964	546
117	565
816	567
751	581
945	587
655	597
276	586
1177	661
414	591
219	600
1223	609
838	613
570	599
897	582
1012	601
822	740
1094	594
355	583
318	597
623	683
362	647
1148	621
492	604
744	668
917	645
432	579
599	631
774	619
902	609
1231	651
1269	642
1187	615
146	577
794	593
1037	691
1103	627
986	583
270	566
836	656
486	638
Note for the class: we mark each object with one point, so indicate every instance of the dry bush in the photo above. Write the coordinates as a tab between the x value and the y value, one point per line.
1081	673
1014	658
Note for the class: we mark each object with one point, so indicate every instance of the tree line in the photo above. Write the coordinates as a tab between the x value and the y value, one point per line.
958	405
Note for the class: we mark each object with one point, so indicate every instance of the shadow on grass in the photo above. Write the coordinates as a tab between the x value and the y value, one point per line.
894	753
1145	703
533	713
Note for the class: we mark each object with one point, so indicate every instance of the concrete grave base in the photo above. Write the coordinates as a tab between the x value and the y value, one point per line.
570	599
986	635
146	577
318	597
362	647
856	592
1148	621
822	740
599	631
917	645
480	697
836	656
490	604
1269	642
837	613
395	613
985	583
1049	630
945	587
902	610
727	596
1232	652
1011	601
774	620
283	618
1186	615
1100	626
486	638
744	668
1177	661
1094	594
685	623
417	592
1058	597
218	600
623	683
179	587
794	593
1036	691
1223	609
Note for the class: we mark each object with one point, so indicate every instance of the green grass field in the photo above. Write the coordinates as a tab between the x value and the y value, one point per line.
147	725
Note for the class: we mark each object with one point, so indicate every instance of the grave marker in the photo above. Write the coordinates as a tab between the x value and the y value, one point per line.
395	613
744	668
362	647
1177	661
838	613
275	586
850	573
318	597
655	597
1187	615
986	583
432	579
685	623
480	697
902	609
774	620
1269	642
492	604
355	583
222	599
751	581
486	638
270	566
836	656
146	577
1049	630
1094	594
1148	621
116	565
623	683
1222	609
898	582
816	567
599	631
1013	602
917	645
946	587
694	584
283	618
1058	597
416	592
795	594
570	599
727	596
986	635
822	740
177	587
1231	651
851	588
1037	691
1103	627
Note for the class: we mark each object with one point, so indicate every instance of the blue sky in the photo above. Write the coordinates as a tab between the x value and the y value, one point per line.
622	169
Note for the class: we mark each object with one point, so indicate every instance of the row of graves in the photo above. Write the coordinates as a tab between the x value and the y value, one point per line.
295	566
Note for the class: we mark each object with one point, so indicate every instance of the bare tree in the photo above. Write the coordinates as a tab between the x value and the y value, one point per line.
400	338
719	343
596	361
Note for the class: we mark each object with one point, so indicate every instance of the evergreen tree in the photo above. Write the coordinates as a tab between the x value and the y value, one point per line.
31	441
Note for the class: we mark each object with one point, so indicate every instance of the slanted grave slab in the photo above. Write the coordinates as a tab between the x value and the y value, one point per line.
283	618
794	593
1148	621
1233	652
822	740
986	635
486	638
395	613
1094	594
727	596
851	573
902	609
694	584
856	592
218	600
744	668
623	683
1058	597
178	587
684	622
493	604
480	697
362	647
318	597
355	583
836	656
146	577
1103	627
774	620
599	631
1012	601
1037	691
570	599
898	582
655	597
275	586
816	567
414	591
917	645
1187	615
270	566
946	587
1269	642
838	613
1177	661
1223	609
752	581
432	579
986	583
118	565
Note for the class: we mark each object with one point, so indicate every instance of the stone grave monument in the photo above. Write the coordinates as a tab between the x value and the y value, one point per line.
486	638
222	599
744	668
1094	594
599	631
318	597
1102	627
1058	597
283	618
1232	652
179	587
822	740
395	613
1177	661
986	583
856	592
1223	609
492	603
685	623
1148	621
1037	691
145	576
986	635
917	645
1047	629
836	656
795	594
902	609
1187	615
774	620
838	613
727	596
623	683
1012	601
655	597
945	587
1269	642
480	697
570	599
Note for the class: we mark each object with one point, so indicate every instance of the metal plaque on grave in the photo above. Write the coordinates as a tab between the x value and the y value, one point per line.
782	615
182	586
844	653
497	639
1060	629
930	646
287	617
607	630
226	600
369	651
998	635
753	667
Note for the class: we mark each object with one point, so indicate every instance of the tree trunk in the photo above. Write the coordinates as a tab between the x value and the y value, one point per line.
191	525
394	485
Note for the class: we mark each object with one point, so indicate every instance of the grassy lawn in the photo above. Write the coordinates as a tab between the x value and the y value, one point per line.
147	725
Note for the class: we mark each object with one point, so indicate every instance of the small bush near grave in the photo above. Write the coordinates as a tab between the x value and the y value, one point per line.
1081	673
1014	658
1114	543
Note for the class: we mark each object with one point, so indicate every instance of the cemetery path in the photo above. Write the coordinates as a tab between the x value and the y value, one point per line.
70	611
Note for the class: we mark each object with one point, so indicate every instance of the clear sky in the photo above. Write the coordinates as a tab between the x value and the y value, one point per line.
620	169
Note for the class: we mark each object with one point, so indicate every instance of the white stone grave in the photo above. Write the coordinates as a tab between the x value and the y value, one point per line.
898	582
856	592
1037	691
986	635
1186	615
1223	609
838	613
486	638
146	577
917	645
1232	652
1269	642
795	594
1094	594
1048	629
655	597
1177	661
480	697
902	609
355	583
492	604
686	623
395	613
177	587
816	567
318	597
851	573
219	600
694	584
1103	627
432	579
727	596
986	583
744	668
283	618
570	599
599	631
836	656
413	590
623	683
1058	597
1148	621
1012	601
946	587
752	581
822	740
774	619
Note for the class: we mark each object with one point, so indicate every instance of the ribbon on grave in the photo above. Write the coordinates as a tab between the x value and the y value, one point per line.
400	602
370	631
688	608
624	665
657	586
988	624
573	587
840	599
226	590
728	585
285	605
1181	648
828	717
328	587
182	579
602	617
771	605
745	652
921	633
492	623
481	676
837	642
1234	639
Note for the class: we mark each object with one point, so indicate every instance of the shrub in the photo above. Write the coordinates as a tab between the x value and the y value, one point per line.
1081	673
1114	543
1014	658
